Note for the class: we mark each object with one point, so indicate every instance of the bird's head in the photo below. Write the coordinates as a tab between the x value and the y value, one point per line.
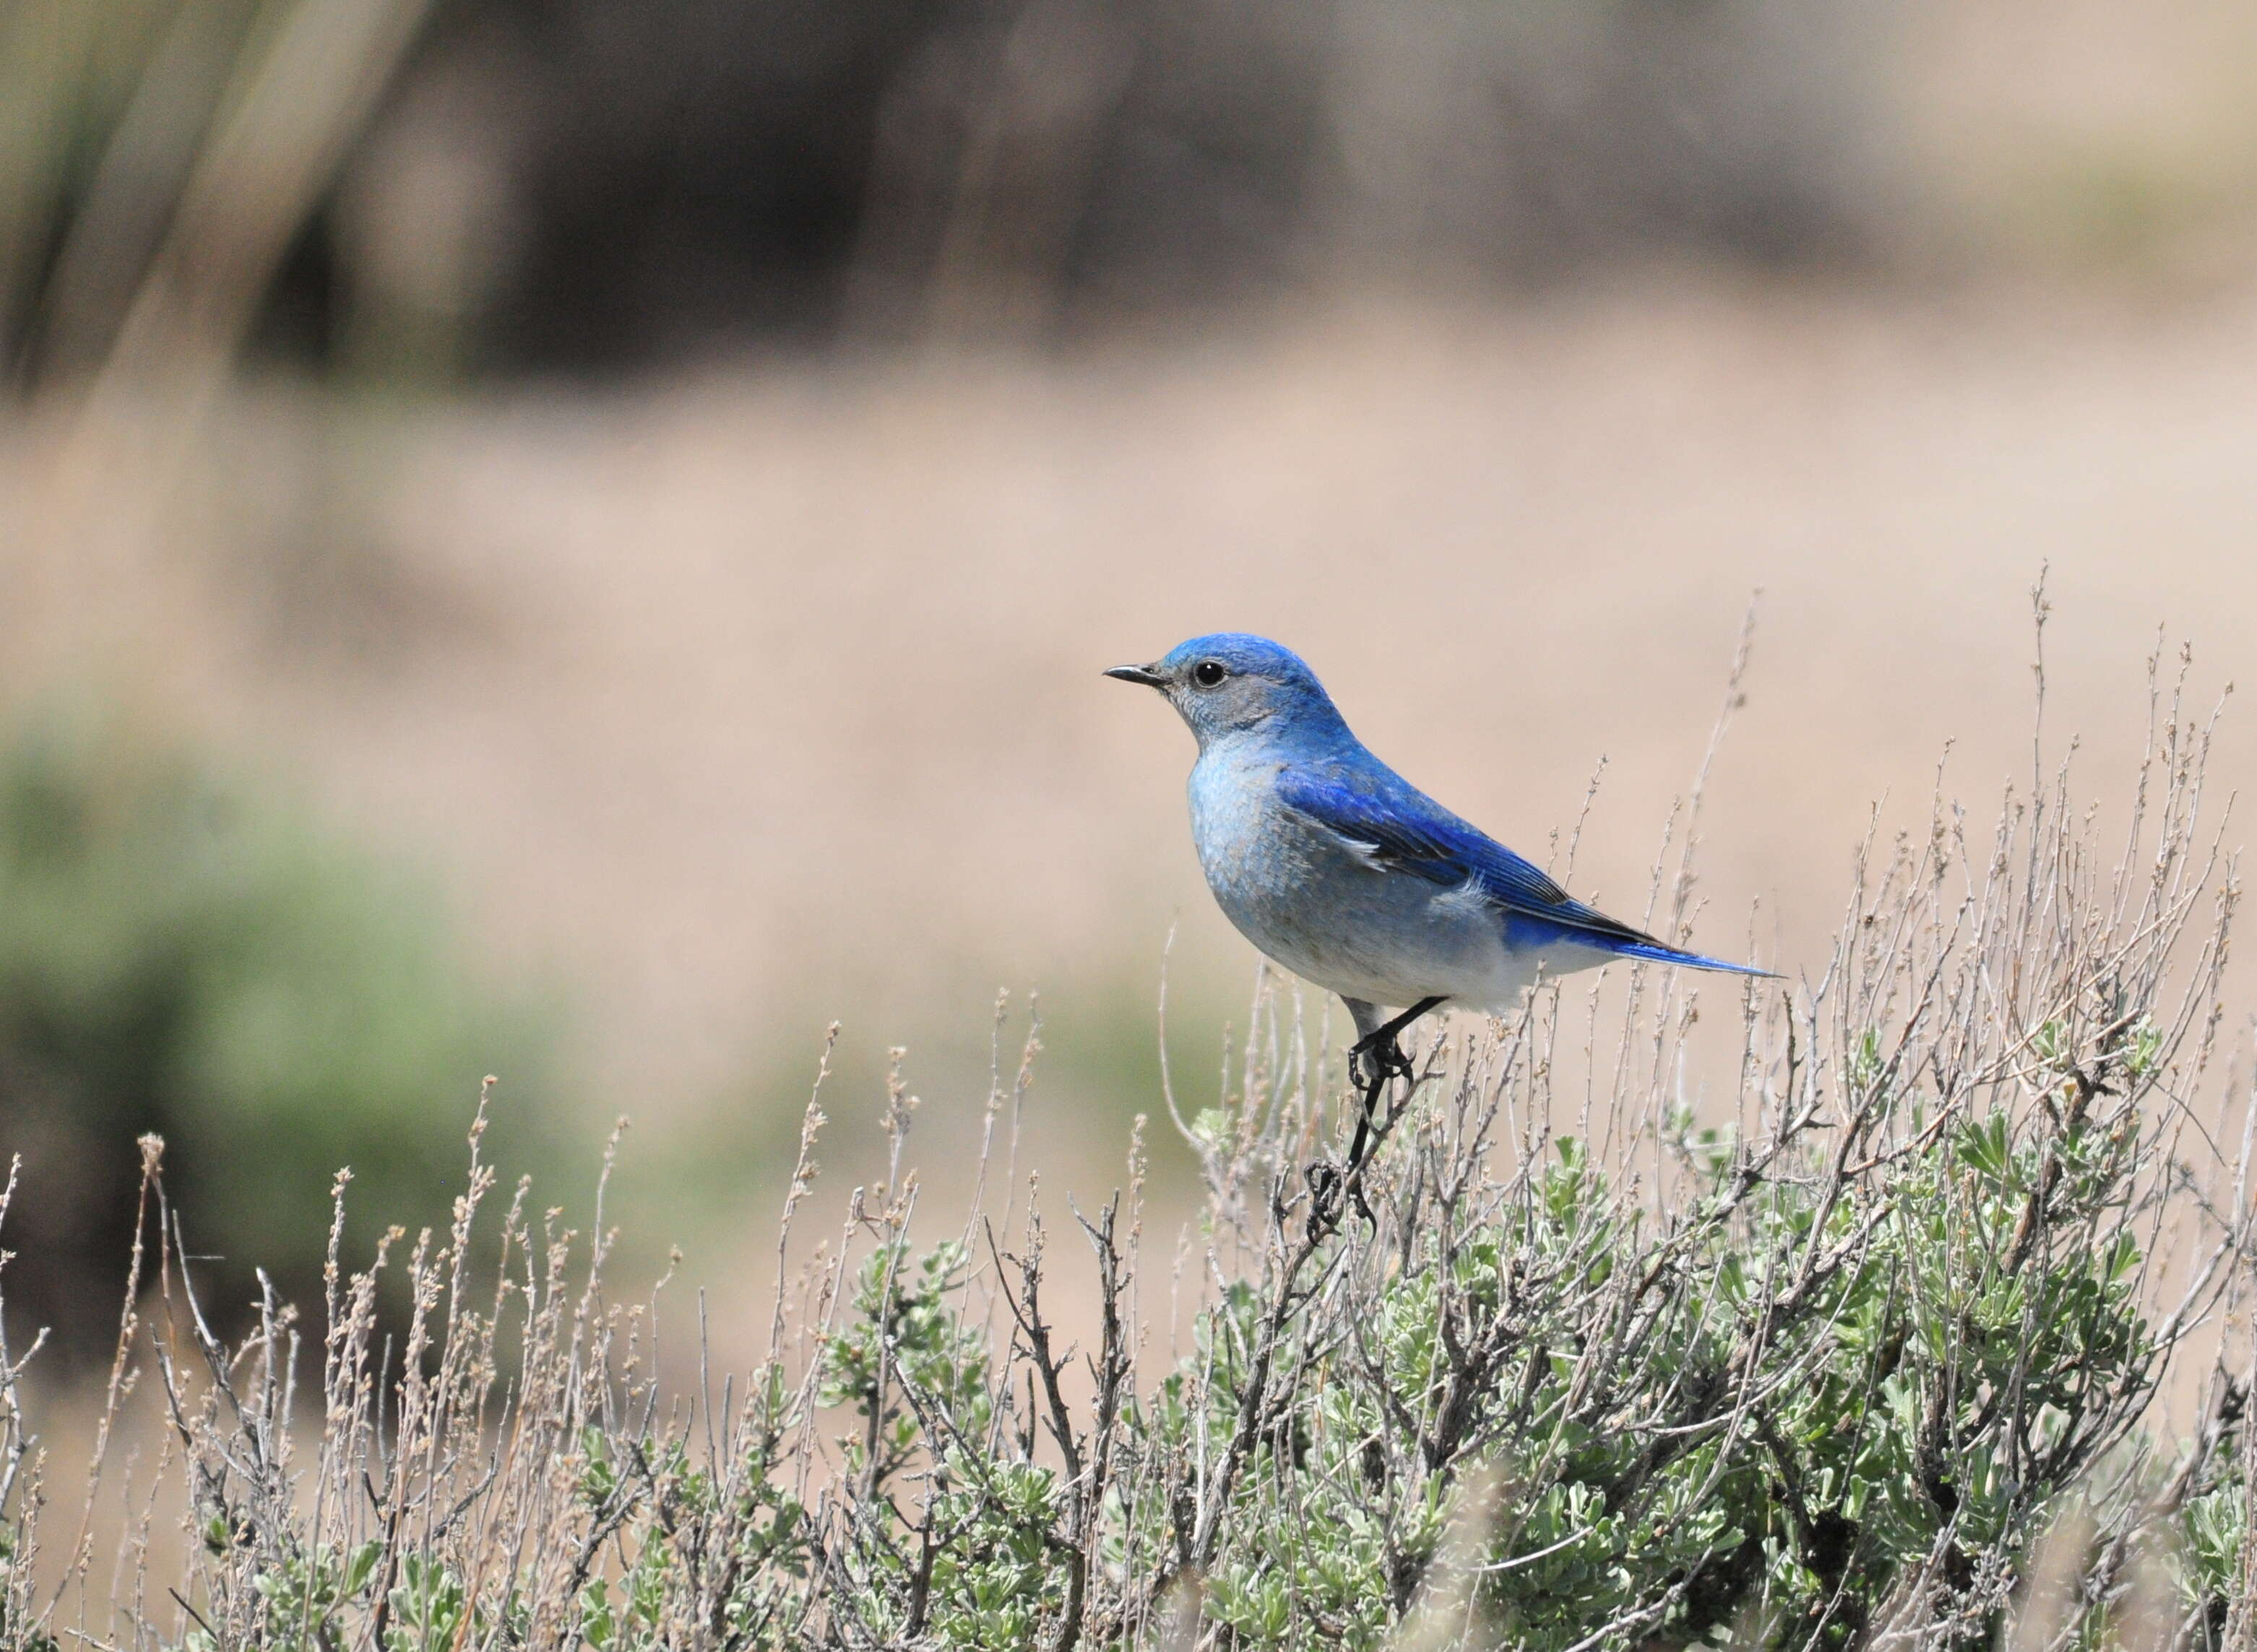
1230	682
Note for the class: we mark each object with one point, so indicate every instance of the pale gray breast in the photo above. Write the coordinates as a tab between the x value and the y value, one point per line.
1312	901
1260	859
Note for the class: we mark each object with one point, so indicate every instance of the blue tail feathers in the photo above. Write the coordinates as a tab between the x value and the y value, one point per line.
1535	933
1655	952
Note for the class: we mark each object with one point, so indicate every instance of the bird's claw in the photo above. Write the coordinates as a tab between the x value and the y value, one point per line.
1324	1199
1370	1065
1327	1181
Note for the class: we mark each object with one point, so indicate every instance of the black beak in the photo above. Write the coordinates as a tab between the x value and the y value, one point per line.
1144	674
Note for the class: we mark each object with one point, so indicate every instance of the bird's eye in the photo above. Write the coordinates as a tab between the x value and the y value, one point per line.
1208	673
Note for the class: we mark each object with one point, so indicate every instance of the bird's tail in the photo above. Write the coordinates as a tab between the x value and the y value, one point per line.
1600	933
1656	952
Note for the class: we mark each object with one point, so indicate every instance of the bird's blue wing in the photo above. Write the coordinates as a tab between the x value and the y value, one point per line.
1395	827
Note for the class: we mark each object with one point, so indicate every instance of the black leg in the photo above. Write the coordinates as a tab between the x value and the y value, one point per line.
1378	1056
1373	1060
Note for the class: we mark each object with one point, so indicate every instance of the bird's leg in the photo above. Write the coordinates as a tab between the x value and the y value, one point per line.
1372	1087
1377	1056
1367	1066
1325	1188
1373	1059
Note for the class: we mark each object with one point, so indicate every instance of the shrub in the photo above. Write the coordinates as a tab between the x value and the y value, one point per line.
183	954
1865	1358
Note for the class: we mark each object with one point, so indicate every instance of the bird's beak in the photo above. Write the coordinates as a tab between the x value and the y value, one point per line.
1144	674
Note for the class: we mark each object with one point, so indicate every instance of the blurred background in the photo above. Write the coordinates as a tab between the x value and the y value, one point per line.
574	539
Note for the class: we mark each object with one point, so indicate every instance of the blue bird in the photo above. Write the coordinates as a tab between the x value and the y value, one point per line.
1351	878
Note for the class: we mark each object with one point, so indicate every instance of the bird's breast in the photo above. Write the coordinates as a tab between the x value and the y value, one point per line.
1249	843
1295	890
1326	910
1235	825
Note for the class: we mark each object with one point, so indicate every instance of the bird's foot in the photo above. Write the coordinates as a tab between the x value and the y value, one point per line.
1327	1181
1324	1199
1375	1059
1377	1056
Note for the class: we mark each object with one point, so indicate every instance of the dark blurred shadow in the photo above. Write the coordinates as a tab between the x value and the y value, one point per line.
592	183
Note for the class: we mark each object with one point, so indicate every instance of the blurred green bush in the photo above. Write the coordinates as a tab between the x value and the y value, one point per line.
184	952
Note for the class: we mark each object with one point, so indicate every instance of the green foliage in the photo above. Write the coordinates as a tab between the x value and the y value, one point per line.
303	1593
1762	1414
183	954
1773	1438
905	1338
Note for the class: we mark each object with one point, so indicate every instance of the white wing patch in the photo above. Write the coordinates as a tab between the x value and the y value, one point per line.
1366	855
1469	899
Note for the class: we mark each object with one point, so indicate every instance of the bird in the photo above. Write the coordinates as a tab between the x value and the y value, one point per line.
1346	875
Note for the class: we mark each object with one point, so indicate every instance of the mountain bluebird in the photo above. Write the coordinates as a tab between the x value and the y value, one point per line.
1351	877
